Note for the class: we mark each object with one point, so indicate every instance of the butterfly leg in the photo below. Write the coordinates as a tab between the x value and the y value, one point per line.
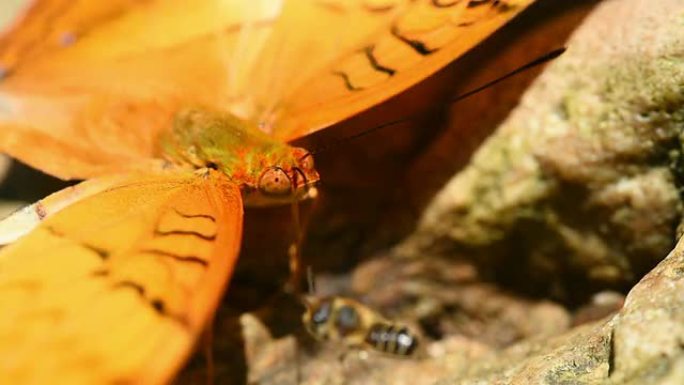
294	284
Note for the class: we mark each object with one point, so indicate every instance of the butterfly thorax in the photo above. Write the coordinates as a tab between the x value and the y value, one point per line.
267	171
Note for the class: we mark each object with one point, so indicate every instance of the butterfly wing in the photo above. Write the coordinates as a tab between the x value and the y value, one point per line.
116	287
307	36
24	220
88	85
414	41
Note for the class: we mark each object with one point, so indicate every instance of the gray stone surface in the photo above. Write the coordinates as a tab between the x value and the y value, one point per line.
580	187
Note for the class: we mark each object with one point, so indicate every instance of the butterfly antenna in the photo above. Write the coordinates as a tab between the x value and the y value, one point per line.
540	60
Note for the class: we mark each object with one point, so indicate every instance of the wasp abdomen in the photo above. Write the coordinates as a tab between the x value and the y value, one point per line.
391	339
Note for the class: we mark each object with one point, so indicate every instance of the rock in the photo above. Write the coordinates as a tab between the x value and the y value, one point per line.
579	189
642	344
270	359
447	298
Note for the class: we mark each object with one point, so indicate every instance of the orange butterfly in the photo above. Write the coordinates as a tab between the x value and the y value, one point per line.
179	111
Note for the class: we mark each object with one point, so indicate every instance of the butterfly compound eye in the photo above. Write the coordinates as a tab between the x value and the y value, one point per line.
274	181
307	162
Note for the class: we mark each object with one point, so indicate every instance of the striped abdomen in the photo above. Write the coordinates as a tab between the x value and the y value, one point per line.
391	339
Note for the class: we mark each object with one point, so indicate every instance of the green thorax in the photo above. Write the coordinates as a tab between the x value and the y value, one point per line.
201	138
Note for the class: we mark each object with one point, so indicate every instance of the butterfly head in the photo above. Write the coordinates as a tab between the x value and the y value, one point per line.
291	178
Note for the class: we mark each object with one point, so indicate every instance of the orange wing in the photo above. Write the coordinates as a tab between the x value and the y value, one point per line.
379	49
116	287
26	219
89	85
